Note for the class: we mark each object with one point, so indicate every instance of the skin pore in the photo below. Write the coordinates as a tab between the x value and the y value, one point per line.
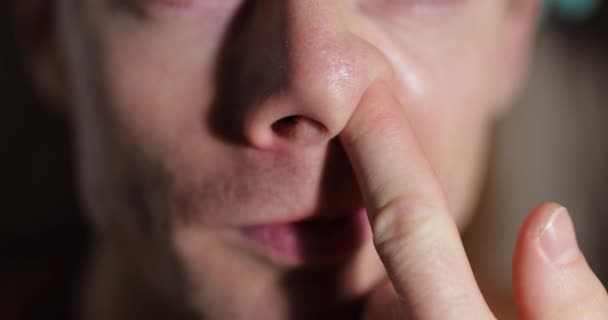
206	129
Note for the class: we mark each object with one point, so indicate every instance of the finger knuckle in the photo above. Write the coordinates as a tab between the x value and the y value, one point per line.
403	221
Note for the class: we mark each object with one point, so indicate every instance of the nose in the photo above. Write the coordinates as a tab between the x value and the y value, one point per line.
296	70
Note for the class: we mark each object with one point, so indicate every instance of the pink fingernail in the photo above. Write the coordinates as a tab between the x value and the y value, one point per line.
557	238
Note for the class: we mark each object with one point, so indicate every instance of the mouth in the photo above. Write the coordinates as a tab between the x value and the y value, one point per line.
309	241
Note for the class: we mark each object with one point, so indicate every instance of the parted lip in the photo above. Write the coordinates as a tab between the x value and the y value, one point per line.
319	239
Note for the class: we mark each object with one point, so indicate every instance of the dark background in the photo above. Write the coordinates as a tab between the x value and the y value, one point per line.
42	235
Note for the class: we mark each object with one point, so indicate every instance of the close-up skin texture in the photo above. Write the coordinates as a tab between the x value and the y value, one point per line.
230	152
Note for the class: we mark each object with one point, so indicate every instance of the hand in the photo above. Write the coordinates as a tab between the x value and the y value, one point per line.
419	244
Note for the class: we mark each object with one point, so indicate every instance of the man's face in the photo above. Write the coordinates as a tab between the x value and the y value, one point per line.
206	128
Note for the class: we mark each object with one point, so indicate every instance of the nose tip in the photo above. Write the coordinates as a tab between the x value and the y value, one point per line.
325	67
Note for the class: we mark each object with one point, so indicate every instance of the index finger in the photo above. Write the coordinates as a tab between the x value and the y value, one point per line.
414	233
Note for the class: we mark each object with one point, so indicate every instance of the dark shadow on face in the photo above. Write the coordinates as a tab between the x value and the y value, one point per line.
250	66
313	292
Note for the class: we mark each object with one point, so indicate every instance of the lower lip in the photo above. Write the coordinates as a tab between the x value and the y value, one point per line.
301	243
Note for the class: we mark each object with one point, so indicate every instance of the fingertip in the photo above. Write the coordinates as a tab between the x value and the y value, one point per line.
529	254
537	219
548	233
550	275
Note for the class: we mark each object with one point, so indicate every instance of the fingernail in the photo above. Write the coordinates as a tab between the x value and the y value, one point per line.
557	238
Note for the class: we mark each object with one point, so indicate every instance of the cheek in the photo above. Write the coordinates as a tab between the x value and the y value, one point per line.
153	97
452	117
455	130
141	104
154	72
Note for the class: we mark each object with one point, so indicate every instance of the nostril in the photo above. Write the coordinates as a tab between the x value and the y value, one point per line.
284	127
300	129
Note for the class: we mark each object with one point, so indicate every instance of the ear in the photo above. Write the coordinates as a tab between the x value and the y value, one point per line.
37	37
515	49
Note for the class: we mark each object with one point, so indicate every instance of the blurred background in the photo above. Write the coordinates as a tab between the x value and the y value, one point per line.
552	146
